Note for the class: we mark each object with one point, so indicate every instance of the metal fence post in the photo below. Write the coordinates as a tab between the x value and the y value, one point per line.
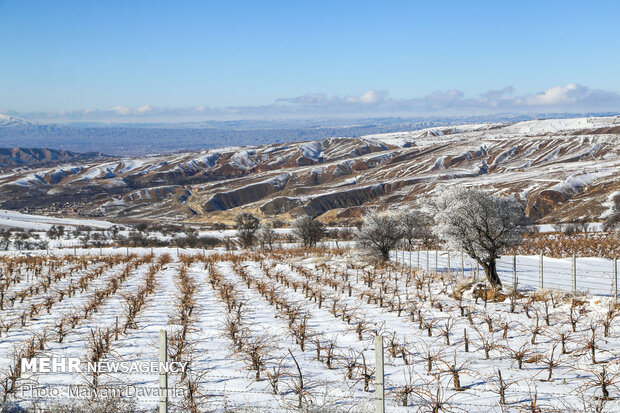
410	268
436	257
379	377
462	266
515	282
540	267
418	258
574	262
615	280
163	375
449	261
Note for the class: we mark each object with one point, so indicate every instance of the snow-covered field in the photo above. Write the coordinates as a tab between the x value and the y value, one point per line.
593	275
13	219
321	310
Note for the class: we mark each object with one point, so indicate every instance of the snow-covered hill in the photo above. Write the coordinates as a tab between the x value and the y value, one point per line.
559	169
12	121
13	219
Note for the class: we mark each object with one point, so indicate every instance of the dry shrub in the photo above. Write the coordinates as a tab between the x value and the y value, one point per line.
461	287
484	292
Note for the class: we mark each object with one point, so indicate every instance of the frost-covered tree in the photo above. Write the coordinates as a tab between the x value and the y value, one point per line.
478	223
247	225
308	230
612	224
266	235
416	225
612	216
380	233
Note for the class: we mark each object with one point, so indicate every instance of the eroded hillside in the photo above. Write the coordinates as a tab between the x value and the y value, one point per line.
559	169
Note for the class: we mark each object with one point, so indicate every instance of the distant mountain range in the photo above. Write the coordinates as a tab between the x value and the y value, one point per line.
142	139
12	121
559	169
34	157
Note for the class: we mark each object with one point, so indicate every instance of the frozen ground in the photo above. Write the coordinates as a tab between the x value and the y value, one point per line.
343	305
13	219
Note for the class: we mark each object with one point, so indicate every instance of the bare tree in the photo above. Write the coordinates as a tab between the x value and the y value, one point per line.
309	230
416	225
247	225
478	223
380	233
266	235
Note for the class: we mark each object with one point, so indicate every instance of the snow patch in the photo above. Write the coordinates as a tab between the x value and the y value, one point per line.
610	205
504	156
40	222
575	183
312	150
242	159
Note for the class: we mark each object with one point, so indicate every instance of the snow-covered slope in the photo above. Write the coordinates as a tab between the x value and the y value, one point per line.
13	219
558	168
6	120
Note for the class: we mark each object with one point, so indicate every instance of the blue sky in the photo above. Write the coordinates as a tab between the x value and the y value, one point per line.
109	59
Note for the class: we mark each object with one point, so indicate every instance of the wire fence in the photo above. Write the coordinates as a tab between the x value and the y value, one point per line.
591	275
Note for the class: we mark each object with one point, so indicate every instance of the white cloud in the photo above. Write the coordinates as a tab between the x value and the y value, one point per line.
121	110
571	95
567	98
144	109
308	99
554	96
371	97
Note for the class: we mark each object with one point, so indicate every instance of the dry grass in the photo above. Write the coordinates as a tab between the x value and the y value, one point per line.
561	246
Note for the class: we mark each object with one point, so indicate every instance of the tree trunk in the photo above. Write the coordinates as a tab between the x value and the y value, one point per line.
490	270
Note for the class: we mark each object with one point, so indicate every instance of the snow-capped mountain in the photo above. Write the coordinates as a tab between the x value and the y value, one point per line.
558	169
12	121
